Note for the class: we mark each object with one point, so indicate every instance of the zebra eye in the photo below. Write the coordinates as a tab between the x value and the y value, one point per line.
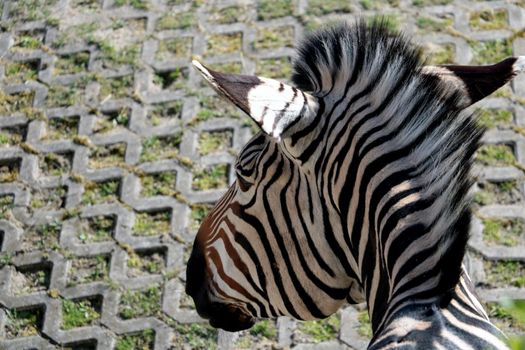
244	184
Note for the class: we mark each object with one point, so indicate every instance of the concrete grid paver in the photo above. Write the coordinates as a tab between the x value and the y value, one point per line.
98	95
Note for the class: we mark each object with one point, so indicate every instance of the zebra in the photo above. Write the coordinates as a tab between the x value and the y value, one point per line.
355	189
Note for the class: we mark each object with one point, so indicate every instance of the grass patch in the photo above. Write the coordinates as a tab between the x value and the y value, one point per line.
492	51
88	269
182	20
72	63
28	41
505	273
274	67
156	148
198	213
220	44
159	184
324	7
62	128
140	303
152	223
42	237
215	141
101	192
506	232
79	313
143	340
19	72
116	87
227	15
196	336
174	79
270	38
321	330
9	170
56	164
136	4
264	329
211	178
110	120
421	3
496	155
96	229
180	47
18	102
11	136
492	117
111	58
107	155
365	327
49	198
32	279
66	95
489	19
434	24
504	319
161	113
6	204
439	53
24	323
142	263
505	192
268	9
31	10
215	107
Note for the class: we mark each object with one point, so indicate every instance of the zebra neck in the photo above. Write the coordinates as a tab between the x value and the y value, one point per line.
455	320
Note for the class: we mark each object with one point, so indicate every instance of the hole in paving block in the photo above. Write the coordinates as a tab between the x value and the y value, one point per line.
31	10
180	20
215	141
276	37
9	169
19	72
90	344
103	156
17	102
31	278
116	87
88	269
159	184
28	40
7	202
264	331
503	231
161	147
506	321
67	95
152	223
164	112
13	135
439	53
498	155
49	198
219	44
134	25
198	213
268	9
435	23
504	273
110	120
56	164
62	128
44	236
213	177
170	49
214	107
96	229
145	262
172	80
494	118
24	322
100	192
274	67
113	58
86	4
136	4
140	303
319	330
504	192
421	3
488	52
228	15
322	7
196	335
80	312
489	19
143	340
72	63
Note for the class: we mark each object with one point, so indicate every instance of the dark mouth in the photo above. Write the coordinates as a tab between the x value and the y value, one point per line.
232	321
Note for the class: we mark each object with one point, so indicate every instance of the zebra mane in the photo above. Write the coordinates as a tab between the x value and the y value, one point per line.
334	58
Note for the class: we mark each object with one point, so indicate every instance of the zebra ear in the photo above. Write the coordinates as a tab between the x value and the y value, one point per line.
477	81
276	107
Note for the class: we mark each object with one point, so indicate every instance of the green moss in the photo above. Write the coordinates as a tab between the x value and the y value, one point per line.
156	148
62	128
23	323
492	118
196	336
268	9
137	4
144	341
140	303
174	48
210	142
505	192
116	87
96	229
152	223
505	232
182	20
71	64
322	330
19	72
274	67
492	51
159	184
489	19
113	58
422	3
219	44
99	192
505	273
270	38
365	327
439	54
210	178
227	15
496	155
107	155
433	24
198	213
324	7
265	329
87	270
78	313
55	164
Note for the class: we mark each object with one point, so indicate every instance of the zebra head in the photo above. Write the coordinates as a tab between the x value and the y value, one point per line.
302	230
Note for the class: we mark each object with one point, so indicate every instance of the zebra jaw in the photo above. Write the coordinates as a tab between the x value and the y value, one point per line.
274	106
